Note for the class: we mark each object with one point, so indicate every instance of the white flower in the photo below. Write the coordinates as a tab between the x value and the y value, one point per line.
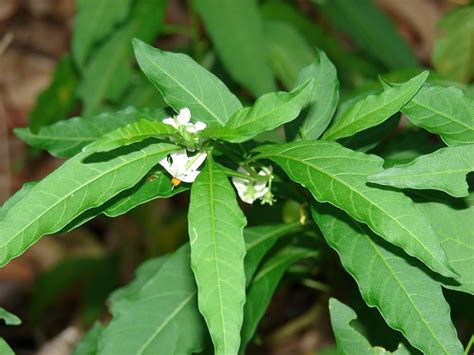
181	167
182	121
249	190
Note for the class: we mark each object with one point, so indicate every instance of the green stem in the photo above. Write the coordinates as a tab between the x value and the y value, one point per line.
469	345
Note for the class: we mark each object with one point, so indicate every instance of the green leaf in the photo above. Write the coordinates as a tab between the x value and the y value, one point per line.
181	81
237	33
264	285
349	340
374	109
157	311
409	299
70	190
259	240
446	111
15	198
5	348
453	53
155	185
93	22
444	170
67	138
131	133
89	342
452	220
108	73
338	175
9	318
371	30
58	99
269	112
289	52
217	256
325	97
149	292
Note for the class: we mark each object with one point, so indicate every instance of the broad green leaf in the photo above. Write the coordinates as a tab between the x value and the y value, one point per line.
9	318
338	175
5	348
288	50
325	97
148	296
374	109
88	345
93	22
269	112
108	73
259	240
155	185
408	298
217	256
129	134
349	340
15	198
72	189
371	30
67	138
446	111
237	33
58	99
184	83
264	285
453	54
452	220
157	312
444	170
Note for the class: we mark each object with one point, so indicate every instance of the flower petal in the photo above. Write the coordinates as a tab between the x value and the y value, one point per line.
189	176
184	116
180	159
199	126
166	164
196	161
170	121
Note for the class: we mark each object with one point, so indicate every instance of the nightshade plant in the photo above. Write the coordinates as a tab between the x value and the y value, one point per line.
401	240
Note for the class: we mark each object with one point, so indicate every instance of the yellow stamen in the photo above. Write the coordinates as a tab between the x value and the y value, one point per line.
175	181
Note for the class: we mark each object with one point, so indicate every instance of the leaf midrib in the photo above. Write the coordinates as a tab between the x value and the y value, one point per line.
216	264
166	321
355	120
257	118
359	194
153	63
372	244
448	116
51	207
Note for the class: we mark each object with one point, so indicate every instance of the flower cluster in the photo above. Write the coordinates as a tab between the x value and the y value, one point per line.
250	190
184	168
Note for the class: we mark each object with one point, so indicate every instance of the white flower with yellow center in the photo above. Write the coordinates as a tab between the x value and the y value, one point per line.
249	190
182	167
